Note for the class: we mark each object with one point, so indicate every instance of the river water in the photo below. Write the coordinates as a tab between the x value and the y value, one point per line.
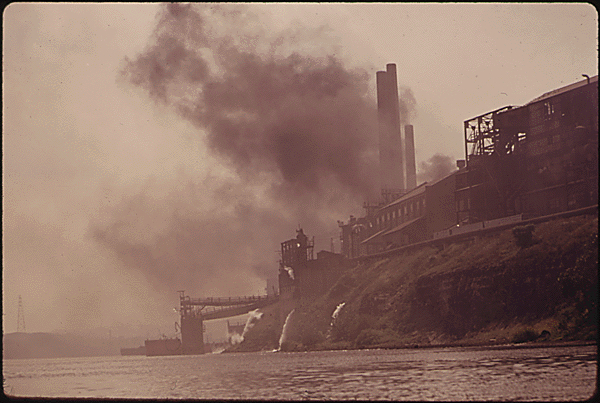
546	374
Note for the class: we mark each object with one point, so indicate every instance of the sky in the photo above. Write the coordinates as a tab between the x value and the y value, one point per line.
151	148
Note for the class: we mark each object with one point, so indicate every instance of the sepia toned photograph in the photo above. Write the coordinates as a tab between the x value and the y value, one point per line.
300	201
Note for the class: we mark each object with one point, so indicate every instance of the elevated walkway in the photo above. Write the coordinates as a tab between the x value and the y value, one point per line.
236	310
229	301
224	307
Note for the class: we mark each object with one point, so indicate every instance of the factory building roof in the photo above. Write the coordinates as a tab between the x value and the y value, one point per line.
404	225
562	90
417	191
413	192
374	236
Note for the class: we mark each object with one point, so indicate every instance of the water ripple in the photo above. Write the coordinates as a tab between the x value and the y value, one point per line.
450	374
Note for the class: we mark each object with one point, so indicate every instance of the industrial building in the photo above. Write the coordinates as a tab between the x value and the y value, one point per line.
537	159
411	218
521	162
300	274
399	216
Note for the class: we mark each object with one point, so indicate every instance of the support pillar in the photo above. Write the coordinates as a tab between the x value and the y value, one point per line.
192	334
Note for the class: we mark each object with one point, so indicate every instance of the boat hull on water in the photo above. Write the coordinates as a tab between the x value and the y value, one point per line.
141	350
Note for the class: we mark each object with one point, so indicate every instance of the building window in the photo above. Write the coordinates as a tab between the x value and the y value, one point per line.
548	109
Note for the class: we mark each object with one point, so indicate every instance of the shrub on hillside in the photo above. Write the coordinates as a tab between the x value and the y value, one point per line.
524	235
374	337
368	337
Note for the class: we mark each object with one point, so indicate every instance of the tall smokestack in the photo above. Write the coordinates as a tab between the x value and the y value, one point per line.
411	168
391	162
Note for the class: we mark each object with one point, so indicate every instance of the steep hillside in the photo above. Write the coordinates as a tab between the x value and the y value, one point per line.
500	288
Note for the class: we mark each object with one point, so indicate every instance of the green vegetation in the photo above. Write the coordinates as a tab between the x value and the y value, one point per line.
530	283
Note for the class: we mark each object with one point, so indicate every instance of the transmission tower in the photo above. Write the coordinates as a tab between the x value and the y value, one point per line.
20	317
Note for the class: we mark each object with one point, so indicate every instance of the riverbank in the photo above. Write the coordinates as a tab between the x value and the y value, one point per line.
489	291
486	346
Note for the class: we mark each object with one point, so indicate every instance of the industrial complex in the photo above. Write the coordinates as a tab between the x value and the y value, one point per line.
522	163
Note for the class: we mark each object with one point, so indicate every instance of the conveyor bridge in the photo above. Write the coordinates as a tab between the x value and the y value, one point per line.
193	311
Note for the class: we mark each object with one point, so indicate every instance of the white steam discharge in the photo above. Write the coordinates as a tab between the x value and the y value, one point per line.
334	316
337	312
254	316
235	338
219	350
285	329
290	272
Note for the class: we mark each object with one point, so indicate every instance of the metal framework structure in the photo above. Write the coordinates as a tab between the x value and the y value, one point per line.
495	159
193	313
223	307
482	134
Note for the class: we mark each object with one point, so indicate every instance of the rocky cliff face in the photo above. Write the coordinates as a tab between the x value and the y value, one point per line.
555	275
494	288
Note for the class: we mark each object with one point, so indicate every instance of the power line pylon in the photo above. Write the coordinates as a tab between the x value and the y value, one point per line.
20	317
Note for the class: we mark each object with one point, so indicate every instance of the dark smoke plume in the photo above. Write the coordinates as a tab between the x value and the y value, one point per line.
295	116
436	167
298	128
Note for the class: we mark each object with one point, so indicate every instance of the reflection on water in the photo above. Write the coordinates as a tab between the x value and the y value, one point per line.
559	374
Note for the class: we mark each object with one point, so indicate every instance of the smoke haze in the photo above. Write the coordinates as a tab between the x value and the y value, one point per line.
129	175
436	167
296	128
151	148
407	105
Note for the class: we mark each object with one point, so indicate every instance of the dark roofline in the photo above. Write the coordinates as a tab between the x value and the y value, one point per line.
407	195
542	97
564	89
